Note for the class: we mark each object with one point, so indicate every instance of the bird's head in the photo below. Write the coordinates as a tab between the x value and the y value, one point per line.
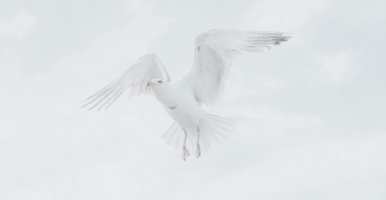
156	82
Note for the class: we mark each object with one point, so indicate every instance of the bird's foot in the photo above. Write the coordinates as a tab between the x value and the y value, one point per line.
185	153
198	151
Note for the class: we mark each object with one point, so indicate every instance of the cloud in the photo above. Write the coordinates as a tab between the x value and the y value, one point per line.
7	128
265	125
315	168
282	15
335	68
32	193
18	27
139	8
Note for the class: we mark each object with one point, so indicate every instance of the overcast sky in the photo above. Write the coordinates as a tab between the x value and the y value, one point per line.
310	113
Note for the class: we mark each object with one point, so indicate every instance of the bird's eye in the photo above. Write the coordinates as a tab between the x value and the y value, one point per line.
159	81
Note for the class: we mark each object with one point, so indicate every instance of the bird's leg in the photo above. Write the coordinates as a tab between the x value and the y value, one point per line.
198	151
185	152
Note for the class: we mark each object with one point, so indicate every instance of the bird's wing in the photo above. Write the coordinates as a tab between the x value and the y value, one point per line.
213	54
134	81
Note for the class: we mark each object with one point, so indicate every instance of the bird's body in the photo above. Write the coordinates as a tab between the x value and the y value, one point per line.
184	99
180	104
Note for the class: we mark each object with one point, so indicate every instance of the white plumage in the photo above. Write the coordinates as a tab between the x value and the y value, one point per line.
183	100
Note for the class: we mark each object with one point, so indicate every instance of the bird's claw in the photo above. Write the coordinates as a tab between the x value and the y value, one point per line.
198	151
185	153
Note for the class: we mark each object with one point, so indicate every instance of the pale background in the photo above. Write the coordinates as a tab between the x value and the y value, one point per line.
310	113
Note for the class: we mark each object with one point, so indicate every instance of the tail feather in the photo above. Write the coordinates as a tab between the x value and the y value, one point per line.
173	135
213	129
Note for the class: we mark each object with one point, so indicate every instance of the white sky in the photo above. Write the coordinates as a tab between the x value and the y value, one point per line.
310	113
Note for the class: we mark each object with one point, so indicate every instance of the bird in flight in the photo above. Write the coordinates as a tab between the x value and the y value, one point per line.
185	100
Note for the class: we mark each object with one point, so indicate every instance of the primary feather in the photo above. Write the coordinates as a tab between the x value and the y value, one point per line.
213	54
134	81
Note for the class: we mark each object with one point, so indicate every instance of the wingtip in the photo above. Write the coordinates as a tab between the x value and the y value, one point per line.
282	38
287	36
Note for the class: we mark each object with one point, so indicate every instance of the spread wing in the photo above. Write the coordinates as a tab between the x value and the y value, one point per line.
134	81
213	54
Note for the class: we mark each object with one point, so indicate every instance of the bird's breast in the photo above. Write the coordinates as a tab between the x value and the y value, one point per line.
180	105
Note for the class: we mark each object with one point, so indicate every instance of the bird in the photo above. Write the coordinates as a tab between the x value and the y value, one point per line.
187	99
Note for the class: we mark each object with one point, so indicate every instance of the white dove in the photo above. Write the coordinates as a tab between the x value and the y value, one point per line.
184	100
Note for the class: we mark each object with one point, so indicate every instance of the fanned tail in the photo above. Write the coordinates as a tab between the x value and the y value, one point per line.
213	129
